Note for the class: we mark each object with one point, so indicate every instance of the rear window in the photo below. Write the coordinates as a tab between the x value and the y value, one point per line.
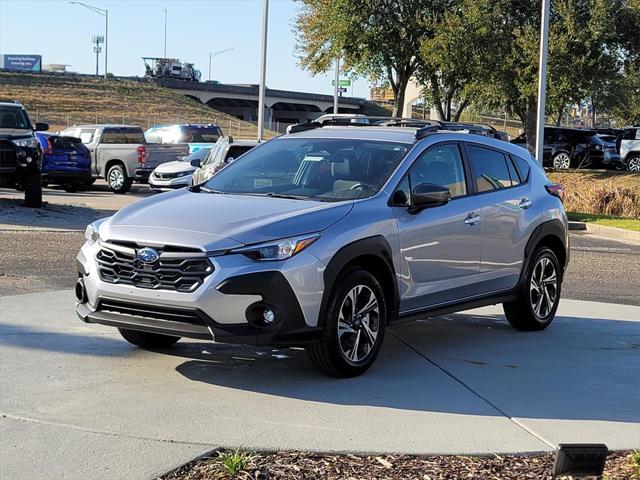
236	151
200	134
123	135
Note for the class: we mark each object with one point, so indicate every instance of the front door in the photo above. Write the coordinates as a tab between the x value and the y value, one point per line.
440	247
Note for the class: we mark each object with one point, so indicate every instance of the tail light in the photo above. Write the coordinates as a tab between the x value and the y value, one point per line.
49	148
556	190
142	154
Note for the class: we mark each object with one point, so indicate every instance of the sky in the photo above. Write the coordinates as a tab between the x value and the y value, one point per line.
61	33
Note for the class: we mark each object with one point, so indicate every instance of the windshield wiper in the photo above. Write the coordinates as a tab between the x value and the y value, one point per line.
284	195
201	188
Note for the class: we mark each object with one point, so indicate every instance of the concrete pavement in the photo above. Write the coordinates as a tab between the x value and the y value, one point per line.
78	402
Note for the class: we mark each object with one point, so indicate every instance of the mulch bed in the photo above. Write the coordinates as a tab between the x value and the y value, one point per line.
298	465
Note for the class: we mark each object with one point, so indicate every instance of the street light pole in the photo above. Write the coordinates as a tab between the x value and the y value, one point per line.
104	13
335	87
263	69
542	78
215	54
165	33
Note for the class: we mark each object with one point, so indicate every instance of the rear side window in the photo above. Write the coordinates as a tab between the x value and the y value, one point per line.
490	169
123	135
523	167
132	135
235	152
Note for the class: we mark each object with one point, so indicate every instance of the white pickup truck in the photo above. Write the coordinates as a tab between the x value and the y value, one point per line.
120	153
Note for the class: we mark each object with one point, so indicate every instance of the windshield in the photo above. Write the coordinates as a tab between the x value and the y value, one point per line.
318	169
200	134
14	117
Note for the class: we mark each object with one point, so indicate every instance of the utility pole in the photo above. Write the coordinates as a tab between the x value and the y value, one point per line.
542	78
336	86
97	40
165	33
263	69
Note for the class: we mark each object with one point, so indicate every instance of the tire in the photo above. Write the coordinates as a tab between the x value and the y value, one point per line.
634	164
71	188
33	190
118	180
345	348
537	302
146	339
561	161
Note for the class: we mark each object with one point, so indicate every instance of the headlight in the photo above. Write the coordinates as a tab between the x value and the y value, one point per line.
91	232
26	142
278	249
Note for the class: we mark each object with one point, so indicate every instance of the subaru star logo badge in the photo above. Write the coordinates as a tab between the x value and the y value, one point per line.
147	255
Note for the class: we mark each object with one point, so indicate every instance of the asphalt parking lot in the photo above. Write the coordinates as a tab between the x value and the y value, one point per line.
75	396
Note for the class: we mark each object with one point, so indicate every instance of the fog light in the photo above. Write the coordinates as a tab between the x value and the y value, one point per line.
29	159
81	294
268	316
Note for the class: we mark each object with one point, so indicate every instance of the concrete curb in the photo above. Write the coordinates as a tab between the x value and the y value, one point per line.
612	233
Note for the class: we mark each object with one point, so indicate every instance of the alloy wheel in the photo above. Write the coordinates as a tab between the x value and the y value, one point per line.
116	179
561	161
634	164
543	288
358	323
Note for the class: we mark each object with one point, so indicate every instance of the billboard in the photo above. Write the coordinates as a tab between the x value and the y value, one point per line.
23	63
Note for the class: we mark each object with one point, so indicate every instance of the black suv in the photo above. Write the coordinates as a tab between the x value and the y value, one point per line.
20	152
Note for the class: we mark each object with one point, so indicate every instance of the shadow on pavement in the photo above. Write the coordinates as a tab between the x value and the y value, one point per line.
580	368
51	216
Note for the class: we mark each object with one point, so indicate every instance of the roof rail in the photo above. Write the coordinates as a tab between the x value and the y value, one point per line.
426	131
303	127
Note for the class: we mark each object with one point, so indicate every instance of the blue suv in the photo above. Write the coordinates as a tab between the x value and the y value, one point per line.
66	161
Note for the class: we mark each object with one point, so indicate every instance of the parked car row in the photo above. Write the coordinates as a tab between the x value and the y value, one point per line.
607	148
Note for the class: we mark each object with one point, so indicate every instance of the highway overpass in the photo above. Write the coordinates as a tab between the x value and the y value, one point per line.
281	106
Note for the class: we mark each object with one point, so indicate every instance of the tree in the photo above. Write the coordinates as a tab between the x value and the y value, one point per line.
377	39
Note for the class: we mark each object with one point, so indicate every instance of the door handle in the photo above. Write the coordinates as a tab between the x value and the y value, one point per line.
524	203
472	219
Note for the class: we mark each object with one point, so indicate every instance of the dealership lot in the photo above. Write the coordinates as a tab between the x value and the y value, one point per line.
464	383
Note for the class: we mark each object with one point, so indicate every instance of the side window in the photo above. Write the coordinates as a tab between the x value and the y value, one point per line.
402	195
86	135
523	167
513	173
490	169
112	135
132	135
440	165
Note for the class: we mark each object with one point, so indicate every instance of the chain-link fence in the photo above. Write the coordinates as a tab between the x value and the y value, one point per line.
230	125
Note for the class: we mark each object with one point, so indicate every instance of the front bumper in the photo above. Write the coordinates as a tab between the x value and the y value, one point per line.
170	183
226	308
142	174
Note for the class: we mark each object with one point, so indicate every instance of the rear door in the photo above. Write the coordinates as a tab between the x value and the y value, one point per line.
440	247
508	214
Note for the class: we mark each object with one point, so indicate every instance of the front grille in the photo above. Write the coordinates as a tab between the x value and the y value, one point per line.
193	317
7	155
171	271
166	176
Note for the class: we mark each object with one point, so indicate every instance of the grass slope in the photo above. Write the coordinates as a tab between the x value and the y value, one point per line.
68	100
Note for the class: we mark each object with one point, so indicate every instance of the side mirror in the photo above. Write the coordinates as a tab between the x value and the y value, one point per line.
196	162
42	127
429	195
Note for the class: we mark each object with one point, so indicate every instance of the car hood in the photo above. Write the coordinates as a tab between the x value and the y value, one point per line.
15	133
219	221
175	166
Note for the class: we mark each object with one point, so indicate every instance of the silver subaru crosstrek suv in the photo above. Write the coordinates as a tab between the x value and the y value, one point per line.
324	237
